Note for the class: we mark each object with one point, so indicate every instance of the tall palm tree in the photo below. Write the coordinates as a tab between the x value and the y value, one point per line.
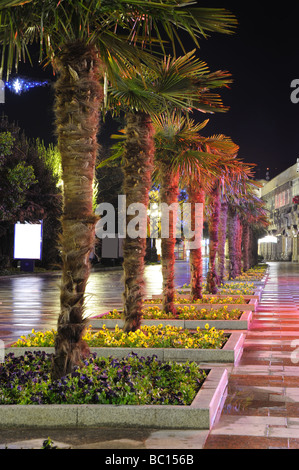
252	213
238	198
182	83
180	155
78	39
226	150
219	218
231	197
210	182
222	240
174	137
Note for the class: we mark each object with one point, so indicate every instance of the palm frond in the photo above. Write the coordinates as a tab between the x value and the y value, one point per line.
115	27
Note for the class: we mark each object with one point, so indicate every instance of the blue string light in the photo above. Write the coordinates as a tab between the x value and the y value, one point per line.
21	85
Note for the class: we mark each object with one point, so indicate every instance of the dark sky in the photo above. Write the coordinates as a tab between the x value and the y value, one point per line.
263	58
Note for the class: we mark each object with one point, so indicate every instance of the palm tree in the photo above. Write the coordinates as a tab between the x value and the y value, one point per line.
180	155
201	163
231	196
222	240
174	137
252	214
211	181
226	150
239	197
219	208
78	39
198	186
181	83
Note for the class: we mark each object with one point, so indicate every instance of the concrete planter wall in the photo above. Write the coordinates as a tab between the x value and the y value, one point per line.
199	415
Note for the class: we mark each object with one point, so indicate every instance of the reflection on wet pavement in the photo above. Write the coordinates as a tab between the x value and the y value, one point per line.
261	408
32	301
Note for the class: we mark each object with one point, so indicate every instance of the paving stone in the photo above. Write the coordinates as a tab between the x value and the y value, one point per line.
262	404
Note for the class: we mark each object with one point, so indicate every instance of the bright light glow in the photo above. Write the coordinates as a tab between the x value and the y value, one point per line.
21	85
17	86
28	241
268	239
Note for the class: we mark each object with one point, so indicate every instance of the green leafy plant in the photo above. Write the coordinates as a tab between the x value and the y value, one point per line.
133	380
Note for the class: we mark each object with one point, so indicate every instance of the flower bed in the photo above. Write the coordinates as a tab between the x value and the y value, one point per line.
233	288
188	318
257	275
133	380
209	302
168	343
184	313
206	299
134	391
146	337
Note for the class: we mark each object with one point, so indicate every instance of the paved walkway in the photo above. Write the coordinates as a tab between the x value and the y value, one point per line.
261	410
32	301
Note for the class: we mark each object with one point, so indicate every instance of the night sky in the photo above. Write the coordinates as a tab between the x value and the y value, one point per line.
263	58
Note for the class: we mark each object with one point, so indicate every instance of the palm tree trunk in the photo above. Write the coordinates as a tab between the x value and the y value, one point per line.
137	168
239	246
169	191
245	243
78	99
232	242
212	279
196	195
253	248
221	242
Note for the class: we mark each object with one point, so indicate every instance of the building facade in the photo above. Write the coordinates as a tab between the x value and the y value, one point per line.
281	195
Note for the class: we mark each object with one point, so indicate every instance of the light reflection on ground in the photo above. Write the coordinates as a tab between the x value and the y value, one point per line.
32	301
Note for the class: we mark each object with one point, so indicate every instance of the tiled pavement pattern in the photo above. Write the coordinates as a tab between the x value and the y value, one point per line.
261	410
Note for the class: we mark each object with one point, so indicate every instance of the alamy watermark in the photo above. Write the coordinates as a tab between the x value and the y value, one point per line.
158	216
295	92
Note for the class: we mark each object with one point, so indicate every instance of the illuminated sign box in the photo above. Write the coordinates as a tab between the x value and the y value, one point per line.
28	241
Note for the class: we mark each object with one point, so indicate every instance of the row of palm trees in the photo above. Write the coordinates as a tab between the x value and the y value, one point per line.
209	170
100	45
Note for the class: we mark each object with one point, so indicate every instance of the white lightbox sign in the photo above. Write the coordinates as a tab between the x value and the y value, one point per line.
28	241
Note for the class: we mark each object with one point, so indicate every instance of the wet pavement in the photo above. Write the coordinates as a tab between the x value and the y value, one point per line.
261	410
32	301
261	406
